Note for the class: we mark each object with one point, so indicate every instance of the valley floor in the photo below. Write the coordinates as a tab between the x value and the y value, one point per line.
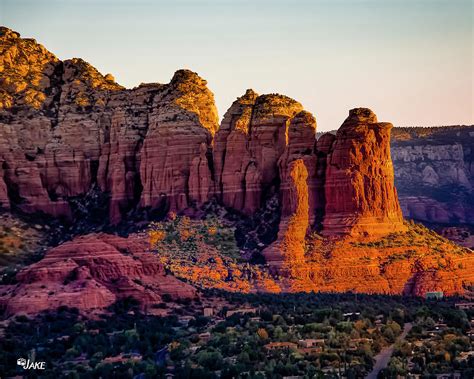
231	335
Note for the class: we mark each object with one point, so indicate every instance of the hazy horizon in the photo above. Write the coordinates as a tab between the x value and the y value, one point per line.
409	61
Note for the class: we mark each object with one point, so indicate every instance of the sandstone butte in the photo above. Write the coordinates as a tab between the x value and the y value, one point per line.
65	130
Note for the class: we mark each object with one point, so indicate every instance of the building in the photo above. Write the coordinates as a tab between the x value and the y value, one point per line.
241	311
307	351
464	305
272	346
208	312
306	343
434	295
121	358
205	336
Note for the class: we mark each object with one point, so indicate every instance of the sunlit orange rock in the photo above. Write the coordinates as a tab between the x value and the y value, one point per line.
360	194
412	262
287	253
300	145
297	172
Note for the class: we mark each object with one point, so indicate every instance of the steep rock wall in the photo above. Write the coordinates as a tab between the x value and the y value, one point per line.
66	128
361	198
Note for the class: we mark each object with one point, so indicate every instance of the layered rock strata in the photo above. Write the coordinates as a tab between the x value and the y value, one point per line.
251	140
65	128
92	272
434	173
361	198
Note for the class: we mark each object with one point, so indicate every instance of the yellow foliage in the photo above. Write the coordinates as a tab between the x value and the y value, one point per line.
173	345
82	100
262	333
185	234
156	236
212	230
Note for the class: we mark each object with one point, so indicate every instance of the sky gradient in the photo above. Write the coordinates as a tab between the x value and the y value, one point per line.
410	61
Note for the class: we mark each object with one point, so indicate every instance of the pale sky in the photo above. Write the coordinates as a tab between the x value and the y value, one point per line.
410	61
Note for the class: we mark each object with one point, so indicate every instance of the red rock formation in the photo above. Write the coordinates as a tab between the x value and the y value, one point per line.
323	148
268	139
301	145
297	170
4	201
434	176
231	155
151	146
184	120
410	263
92	272
201	183
361	198
66	127
286	255
253	137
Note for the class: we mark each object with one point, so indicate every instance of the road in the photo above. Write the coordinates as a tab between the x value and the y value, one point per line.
382	358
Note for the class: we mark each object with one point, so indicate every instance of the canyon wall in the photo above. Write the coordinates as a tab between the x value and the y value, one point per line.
434	175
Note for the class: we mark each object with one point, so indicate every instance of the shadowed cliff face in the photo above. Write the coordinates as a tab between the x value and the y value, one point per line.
435	169
434	175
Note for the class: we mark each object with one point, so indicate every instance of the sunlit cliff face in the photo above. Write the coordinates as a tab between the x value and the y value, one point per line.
318	215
